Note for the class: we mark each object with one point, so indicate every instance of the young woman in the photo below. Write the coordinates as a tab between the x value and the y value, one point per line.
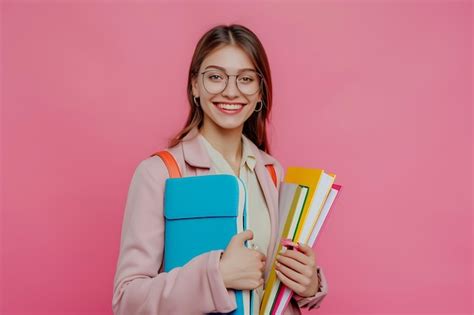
230	98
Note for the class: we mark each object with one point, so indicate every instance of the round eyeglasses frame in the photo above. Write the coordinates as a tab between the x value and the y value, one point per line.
262	81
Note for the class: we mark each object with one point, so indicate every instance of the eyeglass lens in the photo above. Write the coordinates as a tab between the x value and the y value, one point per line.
215	81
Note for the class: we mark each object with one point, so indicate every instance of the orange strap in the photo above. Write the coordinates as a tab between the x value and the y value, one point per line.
173	168
272	172
170	162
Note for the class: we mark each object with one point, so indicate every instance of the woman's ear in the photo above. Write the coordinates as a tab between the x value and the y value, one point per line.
194	87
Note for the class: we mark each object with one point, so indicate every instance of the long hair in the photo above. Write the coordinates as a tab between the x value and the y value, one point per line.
218	36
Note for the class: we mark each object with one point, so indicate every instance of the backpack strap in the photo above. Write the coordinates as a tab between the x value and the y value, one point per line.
271	170
173	167
170	162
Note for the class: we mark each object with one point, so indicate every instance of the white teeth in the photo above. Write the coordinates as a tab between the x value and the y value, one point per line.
230	106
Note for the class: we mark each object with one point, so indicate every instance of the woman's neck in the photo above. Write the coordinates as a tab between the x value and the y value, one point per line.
227	141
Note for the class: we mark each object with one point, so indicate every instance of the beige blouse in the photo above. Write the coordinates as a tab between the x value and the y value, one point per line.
258	216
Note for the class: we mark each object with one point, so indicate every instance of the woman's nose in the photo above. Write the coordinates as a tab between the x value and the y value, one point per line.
231	89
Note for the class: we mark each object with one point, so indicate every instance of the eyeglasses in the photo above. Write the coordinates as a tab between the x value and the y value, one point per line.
248	82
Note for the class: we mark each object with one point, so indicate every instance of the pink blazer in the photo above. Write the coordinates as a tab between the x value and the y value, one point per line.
140	286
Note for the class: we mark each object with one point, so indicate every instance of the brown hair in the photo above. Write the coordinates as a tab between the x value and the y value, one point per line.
221	35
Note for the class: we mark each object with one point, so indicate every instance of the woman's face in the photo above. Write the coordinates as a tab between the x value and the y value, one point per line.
231	60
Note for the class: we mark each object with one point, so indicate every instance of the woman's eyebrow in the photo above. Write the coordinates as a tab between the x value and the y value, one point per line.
224	69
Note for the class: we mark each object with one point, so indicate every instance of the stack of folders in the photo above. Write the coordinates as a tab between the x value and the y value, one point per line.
202	213
305	198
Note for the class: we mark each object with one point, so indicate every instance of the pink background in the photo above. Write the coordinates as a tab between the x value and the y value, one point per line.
380	92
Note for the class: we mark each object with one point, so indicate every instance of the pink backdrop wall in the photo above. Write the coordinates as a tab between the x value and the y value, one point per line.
381	91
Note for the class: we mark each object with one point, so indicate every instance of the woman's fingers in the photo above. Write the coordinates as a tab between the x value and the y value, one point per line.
291	263
293	275
298	256
292	285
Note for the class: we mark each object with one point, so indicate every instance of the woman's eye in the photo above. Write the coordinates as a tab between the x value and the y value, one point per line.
215	77
246	79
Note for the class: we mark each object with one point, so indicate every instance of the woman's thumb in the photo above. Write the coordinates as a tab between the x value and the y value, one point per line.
244	236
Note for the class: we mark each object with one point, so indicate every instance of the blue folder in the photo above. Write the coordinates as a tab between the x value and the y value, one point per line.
202	213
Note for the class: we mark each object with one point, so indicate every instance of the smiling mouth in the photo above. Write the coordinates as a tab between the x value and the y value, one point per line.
229	108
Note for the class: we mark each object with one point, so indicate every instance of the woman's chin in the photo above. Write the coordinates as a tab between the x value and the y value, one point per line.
229	125
228	122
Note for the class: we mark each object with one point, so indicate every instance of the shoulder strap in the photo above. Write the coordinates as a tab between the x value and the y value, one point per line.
170	162
173	168
272	172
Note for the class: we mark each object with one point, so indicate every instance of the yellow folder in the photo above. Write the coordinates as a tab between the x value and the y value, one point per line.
310	177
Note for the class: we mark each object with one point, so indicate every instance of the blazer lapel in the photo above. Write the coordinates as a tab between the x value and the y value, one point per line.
195	155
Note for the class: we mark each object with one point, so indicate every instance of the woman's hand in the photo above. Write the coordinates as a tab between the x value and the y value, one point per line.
297	270
242	268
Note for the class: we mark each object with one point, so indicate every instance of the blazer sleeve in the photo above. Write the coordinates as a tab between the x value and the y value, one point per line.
311	301
139	286
316	300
